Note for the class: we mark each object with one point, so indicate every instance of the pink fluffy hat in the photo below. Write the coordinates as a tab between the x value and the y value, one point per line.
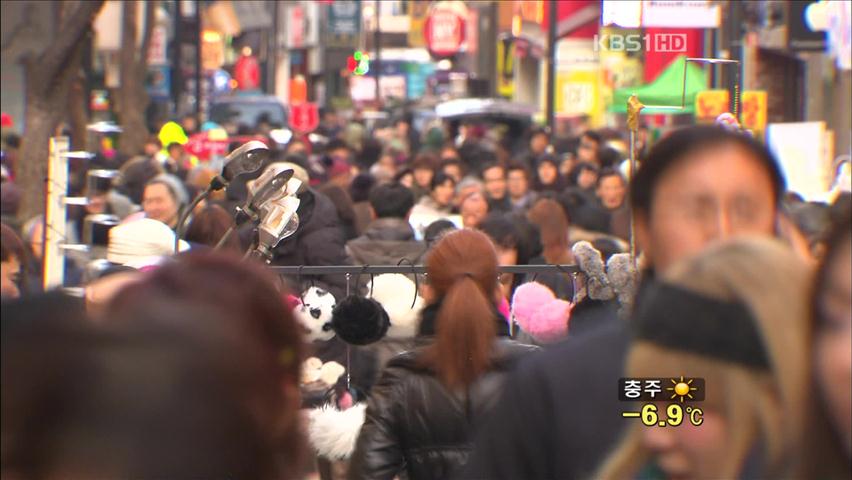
539	313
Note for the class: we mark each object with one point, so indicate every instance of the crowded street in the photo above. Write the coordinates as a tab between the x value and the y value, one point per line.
426	239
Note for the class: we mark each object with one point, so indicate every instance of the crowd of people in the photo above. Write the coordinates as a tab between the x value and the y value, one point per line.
736	281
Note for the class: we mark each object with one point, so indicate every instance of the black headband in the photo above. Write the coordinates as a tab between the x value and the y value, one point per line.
681	319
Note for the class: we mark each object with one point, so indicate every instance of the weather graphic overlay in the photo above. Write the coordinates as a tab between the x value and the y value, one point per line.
358	63
659	391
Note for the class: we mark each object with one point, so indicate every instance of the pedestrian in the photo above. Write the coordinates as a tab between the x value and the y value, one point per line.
548	177
718	317
587	150
428	402
439	202
164	199
494	179
209	225
423	167
518	187
827	444
549	217
389	238
473	210
12	260
359	192
683	168
611	192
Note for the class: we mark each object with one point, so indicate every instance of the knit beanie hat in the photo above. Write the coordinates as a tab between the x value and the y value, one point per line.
175	185
140	239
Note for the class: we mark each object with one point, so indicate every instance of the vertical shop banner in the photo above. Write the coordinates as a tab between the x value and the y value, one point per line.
344	23
159	82
506	67
296	27
709	104
157	47
754	107
417	12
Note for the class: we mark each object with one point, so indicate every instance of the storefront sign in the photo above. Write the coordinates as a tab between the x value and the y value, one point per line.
754	106
304	117
296	27
709	104
157	47
344	23
445	28
506	67
417	12
159	82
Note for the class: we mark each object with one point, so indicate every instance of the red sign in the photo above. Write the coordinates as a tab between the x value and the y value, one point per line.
445	28
304	117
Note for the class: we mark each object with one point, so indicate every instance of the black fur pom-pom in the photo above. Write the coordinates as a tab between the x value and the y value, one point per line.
359	320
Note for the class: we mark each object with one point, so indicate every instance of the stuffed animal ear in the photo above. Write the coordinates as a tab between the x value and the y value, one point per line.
590	262
359	321
622	276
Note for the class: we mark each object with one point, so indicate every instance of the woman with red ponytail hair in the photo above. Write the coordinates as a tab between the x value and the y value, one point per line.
427	402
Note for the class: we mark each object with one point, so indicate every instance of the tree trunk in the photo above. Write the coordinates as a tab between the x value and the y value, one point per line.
132	98
48	78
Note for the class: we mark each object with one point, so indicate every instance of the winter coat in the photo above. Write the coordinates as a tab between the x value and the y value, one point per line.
385	242
413	423
428	207
318	241
559	416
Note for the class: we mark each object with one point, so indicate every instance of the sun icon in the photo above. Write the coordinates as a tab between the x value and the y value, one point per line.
681	388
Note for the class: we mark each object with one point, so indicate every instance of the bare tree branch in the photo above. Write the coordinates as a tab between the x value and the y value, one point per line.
74	26
25	24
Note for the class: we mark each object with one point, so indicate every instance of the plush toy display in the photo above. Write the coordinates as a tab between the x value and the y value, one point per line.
395	292
359	320
333	432
616	279
323	375
539	313
314	312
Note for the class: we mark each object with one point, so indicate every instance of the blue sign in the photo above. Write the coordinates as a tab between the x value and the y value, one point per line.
159	82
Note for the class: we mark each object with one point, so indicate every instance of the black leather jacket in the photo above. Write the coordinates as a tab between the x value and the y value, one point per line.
414	424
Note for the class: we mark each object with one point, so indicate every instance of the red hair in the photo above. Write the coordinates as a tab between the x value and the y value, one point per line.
462	270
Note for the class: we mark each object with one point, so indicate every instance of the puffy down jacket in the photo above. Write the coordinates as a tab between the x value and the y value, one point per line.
414	424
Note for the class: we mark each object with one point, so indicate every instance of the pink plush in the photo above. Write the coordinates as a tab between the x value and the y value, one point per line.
540	313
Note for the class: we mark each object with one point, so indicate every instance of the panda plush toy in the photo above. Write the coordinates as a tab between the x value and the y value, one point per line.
314	313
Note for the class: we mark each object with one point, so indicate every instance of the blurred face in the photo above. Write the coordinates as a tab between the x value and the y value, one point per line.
36	240
388	163
151	149
423	177
158	203
506	256
715	194
547	173
407	180
689	451
587	179
97	204
175	152
833	344
587	151
517	184
611	191
495	182
10	276
473	210
296	147
453	170
538	143
443	193
567	165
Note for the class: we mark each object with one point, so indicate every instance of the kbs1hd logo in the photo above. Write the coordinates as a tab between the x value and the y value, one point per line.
358	63
658	42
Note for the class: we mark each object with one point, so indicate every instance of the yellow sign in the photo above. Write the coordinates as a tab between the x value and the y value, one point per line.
709	104
578	93
417	12
506	67
754	110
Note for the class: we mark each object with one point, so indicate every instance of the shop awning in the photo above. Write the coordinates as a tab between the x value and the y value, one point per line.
667	89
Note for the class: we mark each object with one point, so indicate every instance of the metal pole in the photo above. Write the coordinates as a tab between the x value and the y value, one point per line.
377	40
551	70
55	223
198	61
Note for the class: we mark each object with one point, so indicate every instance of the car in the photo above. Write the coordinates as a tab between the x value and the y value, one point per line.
244	113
